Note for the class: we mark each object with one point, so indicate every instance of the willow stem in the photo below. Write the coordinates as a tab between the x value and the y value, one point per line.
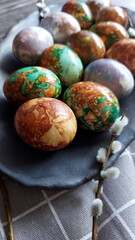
94	228
7	209
99	188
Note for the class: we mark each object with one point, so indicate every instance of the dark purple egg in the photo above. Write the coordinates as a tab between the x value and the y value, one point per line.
29	44
111	74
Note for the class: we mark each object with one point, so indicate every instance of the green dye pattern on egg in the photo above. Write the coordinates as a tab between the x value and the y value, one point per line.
31	82
94	113
72	69
12	78
68	65
110	32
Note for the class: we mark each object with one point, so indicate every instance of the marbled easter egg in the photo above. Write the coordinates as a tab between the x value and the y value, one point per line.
45	123
29	44
31	82
95	106
97	5
114	14
80	11
124	52
111	74
88	45
60	25
64	63
110	32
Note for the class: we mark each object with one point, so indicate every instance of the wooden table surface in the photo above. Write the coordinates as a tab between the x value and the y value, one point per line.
11	11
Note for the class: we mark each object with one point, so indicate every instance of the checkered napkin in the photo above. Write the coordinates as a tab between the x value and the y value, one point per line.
65	215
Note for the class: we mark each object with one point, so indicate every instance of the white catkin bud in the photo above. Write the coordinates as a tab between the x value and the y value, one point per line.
96	207
116	146
101	155
95	186
118	125
110	173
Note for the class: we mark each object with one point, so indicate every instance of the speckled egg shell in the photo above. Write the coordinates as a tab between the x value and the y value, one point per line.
45	123
29	44
80	11
124	52
114	14
64	63
95	106
97	5
111	74
31	82
110	32
60	25
88	45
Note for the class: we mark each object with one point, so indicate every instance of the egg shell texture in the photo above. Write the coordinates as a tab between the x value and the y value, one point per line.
110	32
88	45
96	5
29	44
31	82
80	11
114	14
45	123
60	25
95	106
112	74
124	52
64	63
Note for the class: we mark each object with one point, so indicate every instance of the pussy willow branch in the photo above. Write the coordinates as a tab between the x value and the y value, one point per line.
101	181
100	184
7	209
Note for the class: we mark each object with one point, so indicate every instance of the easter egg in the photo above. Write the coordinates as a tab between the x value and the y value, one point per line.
111	74
97	5
110	32
124	52
64	63
114	14
60	25
29	44
80	11
94	105
31	82
45	123
88	45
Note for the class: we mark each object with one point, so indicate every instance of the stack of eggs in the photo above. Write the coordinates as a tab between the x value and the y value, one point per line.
80	56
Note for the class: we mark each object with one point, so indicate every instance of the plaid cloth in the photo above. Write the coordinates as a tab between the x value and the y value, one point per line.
50	215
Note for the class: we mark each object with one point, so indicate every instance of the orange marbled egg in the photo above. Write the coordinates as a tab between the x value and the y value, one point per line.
88	46
45	123
124	52
96	5
114	14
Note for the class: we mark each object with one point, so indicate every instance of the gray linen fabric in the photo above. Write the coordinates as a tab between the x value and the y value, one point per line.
50	215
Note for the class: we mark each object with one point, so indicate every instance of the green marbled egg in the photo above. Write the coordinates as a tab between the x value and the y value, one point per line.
31	82
110	32
94	105
64	62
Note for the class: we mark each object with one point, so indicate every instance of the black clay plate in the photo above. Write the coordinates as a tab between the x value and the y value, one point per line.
62	169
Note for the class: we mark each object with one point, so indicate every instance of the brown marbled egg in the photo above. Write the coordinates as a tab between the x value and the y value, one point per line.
29	44
88	45
114	14
110	32
124	52
45	123
60	25
80	11
96	5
